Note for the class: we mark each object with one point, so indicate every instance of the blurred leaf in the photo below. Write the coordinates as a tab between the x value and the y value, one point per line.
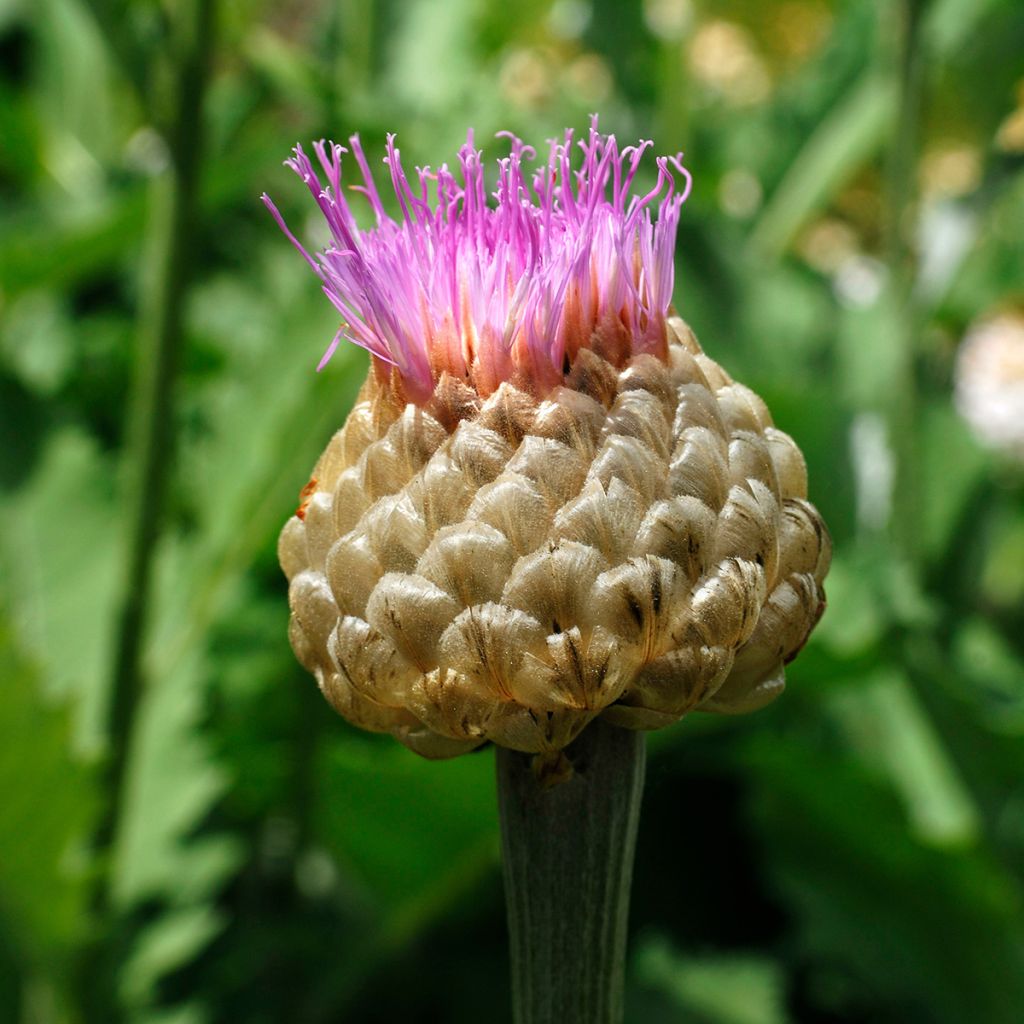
854	622
37	343
949	22
714	990
850	134
172	785
173	940
60	558
47	247
1002	580
240	494
49	805
431	27
19	128
871	351
871	591
245	467
188	1013
990	666
789	317
375	797
285	64
888	727
991	271
952	466
77	97
38	250
936	931
420	836
947	233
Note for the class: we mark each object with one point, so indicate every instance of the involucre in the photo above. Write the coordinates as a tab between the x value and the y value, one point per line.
548	504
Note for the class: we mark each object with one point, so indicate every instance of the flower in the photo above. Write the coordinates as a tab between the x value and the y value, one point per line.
548	503
989	382
502	291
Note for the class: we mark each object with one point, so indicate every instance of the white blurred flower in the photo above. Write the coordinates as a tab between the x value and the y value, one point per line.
859	280
989	382
874	468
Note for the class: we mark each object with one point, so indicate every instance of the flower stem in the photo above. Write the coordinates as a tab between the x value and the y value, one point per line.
174	212
568	861
907	66
161	335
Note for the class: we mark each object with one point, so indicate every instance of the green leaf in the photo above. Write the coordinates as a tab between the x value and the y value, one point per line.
418	837
846	138
888	727
48	808
935	930
952	465
174	939
726	989
444	811
60	553
854	622
992	671
851	134
173	783
38	343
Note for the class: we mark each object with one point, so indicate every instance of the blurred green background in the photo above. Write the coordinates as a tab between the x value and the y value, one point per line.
853	853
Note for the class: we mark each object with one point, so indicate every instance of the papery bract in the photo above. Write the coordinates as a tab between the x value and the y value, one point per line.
548	505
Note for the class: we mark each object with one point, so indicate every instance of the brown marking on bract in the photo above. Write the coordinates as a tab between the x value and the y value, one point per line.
305	497
815	619
453	401
593	376
612	341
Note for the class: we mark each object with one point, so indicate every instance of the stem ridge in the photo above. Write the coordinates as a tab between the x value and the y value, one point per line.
568	863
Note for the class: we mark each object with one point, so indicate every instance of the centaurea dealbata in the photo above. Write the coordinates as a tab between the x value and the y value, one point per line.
548	504
551	522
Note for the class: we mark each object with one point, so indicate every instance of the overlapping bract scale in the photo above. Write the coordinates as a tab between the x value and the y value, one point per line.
636	545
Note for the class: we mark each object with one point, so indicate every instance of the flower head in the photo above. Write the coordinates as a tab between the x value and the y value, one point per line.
506	288
548	504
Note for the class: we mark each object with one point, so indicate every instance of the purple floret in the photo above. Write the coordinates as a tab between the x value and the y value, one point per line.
497	287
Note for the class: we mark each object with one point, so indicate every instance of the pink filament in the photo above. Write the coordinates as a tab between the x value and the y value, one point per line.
514	282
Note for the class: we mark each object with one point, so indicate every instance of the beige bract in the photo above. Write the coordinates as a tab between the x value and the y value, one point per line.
636	545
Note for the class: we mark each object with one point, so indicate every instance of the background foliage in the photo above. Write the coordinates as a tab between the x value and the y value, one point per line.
855	852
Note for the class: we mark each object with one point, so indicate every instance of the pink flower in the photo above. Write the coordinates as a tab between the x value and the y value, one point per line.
562	258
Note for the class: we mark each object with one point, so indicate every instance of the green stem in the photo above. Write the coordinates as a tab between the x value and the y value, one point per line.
161	336
568	862
908	69
113	19
900	201
161	333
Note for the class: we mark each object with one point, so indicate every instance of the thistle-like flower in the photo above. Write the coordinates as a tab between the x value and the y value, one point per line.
548	503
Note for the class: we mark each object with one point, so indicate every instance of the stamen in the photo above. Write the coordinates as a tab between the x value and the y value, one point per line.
553	252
